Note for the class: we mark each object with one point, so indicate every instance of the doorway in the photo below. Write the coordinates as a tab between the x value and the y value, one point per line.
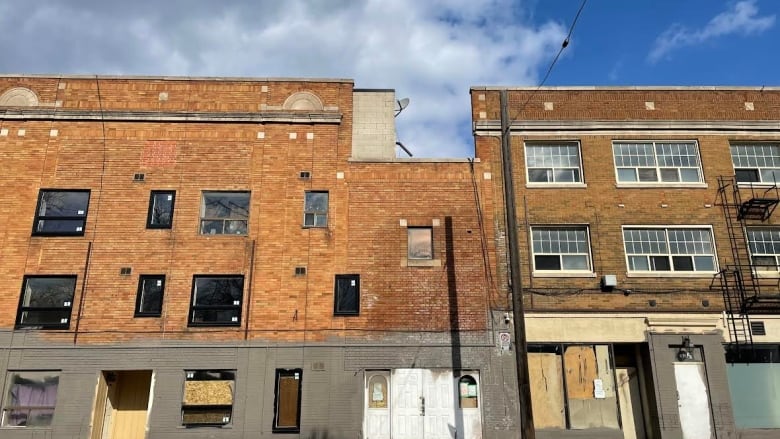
122	404
422	404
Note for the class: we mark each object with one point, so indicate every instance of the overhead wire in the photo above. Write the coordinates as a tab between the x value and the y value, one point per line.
564	45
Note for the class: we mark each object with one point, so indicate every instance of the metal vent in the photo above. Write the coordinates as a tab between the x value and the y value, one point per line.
300	271
139	177
125	271
305	175
757	328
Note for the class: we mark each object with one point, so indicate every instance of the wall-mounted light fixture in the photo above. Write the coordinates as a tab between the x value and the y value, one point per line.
686	350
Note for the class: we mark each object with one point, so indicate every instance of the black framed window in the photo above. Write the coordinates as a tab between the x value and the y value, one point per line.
61	212
148	302
216	300
347	295
30	398
160	214
287	401
224	213
315	209
208	397
46	302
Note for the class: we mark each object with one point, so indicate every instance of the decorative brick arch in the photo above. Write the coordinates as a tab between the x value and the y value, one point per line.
19	97
303	100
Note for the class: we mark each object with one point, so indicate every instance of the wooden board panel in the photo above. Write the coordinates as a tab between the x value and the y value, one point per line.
546	390
217	392
581	370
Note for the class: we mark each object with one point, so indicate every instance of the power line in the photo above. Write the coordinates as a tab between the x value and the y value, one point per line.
552	64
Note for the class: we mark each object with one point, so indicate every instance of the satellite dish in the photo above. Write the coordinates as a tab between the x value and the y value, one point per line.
400	105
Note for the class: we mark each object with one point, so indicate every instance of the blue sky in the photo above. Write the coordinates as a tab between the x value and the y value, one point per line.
431	51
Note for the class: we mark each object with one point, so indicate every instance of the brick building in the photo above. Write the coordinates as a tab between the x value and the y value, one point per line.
649	255
235	258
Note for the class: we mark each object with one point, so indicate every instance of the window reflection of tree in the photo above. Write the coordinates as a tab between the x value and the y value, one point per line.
215	299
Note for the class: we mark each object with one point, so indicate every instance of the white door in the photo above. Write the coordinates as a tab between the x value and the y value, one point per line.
407	404
439	397
423	404
377	421
693	400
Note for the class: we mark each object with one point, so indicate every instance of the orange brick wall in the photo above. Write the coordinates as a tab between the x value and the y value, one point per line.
363	234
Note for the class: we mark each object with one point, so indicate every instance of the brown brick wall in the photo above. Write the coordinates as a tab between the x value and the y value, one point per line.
604	207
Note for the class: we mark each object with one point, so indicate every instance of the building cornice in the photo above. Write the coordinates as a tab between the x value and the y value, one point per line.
158	116
524	127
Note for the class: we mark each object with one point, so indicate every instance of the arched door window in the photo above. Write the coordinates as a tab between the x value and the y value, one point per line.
467	391
377	392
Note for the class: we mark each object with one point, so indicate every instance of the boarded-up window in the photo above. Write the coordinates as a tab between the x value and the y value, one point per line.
589	400
287	403
208	397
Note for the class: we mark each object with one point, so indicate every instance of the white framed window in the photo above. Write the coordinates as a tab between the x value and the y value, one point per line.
764	243
653	162
553	163
672	250
561	249
756	162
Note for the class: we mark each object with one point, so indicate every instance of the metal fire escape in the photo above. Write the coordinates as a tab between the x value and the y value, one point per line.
745	291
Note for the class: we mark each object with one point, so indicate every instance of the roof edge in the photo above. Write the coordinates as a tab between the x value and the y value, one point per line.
628	87
178	78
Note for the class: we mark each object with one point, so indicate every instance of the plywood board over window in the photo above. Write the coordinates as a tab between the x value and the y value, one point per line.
547	390
590	387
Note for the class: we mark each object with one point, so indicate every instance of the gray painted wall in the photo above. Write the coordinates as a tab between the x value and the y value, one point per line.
332	399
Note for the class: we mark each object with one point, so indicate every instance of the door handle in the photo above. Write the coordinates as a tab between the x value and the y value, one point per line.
422	406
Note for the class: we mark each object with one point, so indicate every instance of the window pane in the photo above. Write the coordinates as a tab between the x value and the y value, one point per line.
63	203
746	175
150	295
160	209
669	175
59	226
539	175
347	294
218	291
627	174
316	202
420	243
660	263
682	263
689	175
572	262
216	316
565	175
638	263
765	263
647	174
704	263
233	205
547	262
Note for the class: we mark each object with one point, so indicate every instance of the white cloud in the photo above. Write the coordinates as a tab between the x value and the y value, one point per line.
743	19
429	51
